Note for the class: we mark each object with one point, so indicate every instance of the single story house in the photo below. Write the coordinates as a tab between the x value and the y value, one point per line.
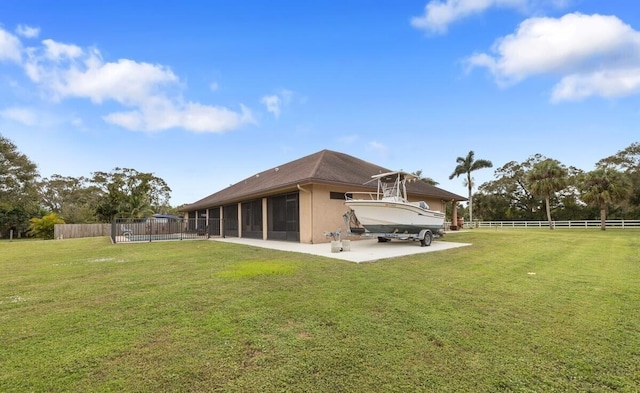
298	201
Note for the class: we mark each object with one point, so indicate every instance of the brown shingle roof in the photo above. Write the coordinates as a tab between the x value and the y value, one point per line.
325	166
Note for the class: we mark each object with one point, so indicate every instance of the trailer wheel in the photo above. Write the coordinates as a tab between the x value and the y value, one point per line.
426	240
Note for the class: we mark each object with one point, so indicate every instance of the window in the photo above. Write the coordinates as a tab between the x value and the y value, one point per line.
340	195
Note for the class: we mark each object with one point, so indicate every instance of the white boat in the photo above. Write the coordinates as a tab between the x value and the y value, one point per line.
388	211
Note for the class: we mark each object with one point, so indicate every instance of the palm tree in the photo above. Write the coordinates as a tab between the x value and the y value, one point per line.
604	185
545	179
466	165
427	180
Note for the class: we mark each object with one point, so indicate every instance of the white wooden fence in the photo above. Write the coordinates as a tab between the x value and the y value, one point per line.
545	224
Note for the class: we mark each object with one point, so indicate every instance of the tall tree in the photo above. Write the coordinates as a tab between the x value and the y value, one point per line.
18	192
627	160
545	179
509	197
465	166
129	193
74	199
603	186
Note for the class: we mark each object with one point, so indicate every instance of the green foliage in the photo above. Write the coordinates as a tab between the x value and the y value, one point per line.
603	186
492	207
74	199
15	219
570	207
18	191
521	189
508	197
545	179
427	180
128	193
17	176
518	311
627	161
462	211
43	228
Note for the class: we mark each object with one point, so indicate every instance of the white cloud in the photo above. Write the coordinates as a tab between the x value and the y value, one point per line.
125	81
286	95
28	31
150	92
348	139
68	71
191	116
276	102
77	122
609	84
379	148
57	51
592	54
21	115
438	15
10	47
273	104
207	118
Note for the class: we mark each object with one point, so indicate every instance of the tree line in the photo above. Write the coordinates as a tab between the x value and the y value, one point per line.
539	188
28	201
542	188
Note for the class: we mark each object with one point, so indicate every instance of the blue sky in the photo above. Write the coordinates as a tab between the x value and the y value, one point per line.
206	93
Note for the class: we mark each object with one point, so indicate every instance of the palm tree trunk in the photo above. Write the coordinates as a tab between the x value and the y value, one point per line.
603	216
546	201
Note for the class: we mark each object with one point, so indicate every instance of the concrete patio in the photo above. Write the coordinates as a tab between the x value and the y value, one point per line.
365	250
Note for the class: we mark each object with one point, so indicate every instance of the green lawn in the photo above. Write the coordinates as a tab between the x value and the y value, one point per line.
519	310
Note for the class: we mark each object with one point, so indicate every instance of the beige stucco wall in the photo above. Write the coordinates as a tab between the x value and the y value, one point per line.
327	213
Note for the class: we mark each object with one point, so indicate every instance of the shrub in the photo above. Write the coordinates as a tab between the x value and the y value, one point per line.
43	227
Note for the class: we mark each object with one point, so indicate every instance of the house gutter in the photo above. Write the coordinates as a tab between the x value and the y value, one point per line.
311	207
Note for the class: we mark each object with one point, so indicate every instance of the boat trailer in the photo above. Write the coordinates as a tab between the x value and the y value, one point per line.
425	236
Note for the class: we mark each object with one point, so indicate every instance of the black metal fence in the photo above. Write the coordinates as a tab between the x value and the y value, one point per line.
126	230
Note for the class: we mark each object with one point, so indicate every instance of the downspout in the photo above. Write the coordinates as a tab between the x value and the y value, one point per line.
311	207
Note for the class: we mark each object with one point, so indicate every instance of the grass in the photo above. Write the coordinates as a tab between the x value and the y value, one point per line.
520	310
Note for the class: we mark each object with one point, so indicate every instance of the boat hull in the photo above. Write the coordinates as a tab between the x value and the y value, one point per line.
395	217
